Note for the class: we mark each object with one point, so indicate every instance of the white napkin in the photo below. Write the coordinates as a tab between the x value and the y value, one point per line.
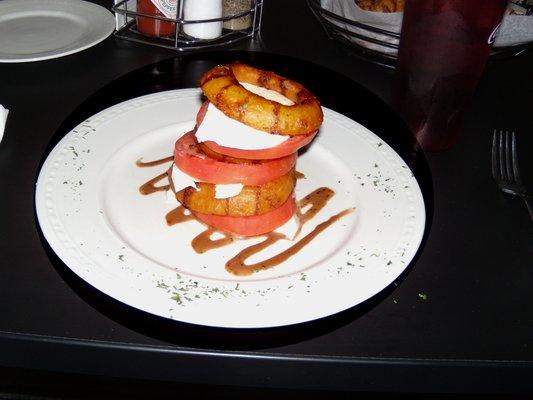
3	118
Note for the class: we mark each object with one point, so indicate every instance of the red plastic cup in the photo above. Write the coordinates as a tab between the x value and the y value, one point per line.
444	47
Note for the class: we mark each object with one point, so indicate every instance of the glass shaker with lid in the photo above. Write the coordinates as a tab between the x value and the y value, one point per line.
236	7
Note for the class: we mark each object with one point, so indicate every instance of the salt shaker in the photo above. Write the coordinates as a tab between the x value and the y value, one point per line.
235	7
202	10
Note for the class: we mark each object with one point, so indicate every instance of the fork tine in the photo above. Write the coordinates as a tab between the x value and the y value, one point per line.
505	167
502	157
495	169
514	157
508	157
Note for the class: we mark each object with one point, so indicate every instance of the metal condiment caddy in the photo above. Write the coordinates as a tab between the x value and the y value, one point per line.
194	24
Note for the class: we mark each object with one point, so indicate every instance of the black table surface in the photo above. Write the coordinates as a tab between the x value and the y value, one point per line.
460	320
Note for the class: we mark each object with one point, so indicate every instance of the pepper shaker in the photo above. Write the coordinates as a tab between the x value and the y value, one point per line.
235	7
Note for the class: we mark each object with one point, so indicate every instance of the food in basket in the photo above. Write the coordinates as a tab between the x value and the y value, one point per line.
386	6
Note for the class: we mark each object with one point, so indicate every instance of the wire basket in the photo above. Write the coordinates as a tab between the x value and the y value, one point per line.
376	44
129	18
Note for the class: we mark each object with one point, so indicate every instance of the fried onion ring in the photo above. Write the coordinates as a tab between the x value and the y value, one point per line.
221	86
252	200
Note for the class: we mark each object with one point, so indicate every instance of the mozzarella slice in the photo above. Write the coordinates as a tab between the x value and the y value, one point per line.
268	94
227	190
181	180
228	132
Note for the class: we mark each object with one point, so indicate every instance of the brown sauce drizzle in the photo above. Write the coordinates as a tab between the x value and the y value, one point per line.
317	199
142	164
150	186
177	216
237	265
203	241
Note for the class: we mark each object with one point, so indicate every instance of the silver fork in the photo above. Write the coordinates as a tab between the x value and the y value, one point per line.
505	167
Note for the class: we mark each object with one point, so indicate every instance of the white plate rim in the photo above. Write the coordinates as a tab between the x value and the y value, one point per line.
82	9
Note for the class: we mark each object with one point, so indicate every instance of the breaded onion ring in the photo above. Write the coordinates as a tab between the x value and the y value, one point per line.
221	86
252	200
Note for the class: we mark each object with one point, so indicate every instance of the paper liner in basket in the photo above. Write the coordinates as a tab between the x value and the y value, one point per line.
388	21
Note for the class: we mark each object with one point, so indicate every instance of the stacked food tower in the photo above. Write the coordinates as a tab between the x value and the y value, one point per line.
235	171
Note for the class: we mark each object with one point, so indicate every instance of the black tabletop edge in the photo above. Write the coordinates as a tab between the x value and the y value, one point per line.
170	364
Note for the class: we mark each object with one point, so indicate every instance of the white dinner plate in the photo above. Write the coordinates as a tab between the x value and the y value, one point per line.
33	30
93	216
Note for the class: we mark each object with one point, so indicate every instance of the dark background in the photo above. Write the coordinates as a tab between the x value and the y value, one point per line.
472	335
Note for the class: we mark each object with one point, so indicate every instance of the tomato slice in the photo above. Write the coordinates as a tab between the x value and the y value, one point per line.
253	225
207	166
288	147
201	113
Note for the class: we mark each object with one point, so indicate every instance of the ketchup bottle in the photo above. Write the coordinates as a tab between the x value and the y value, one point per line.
153	26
